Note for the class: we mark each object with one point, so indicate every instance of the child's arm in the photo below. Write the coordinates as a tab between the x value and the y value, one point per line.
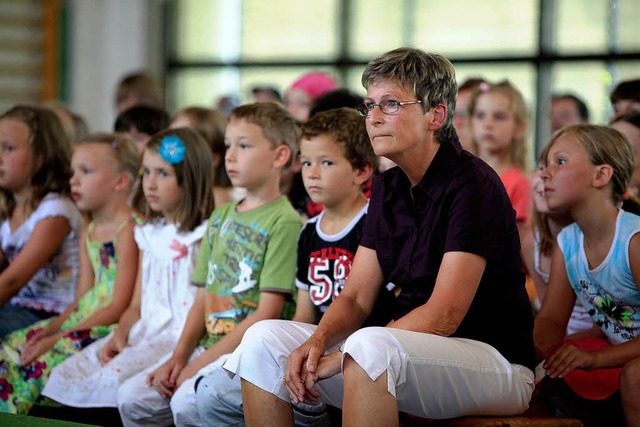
305	310
270	306
130	316
551	321
569	357
85	282
44	339
46	238
164	378
126	251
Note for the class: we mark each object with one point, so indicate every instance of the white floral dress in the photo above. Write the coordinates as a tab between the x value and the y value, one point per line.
167	295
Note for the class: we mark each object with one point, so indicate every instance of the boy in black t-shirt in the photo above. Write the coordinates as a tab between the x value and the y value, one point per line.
337	161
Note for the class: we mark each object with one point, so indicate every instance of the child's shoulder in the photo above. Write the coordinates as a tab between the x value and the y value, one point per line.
158	235
56	201
280	209
569	240
55	204
629	223
264	219
354	225
281	215
125	227
221	213
277	218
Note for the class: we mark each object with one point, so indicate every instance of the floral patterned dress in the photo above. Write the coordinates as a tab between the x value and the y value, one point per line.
20	386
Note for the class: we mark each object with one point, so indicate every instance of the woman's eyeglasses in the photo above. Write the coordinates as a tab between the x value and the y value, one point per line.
387	106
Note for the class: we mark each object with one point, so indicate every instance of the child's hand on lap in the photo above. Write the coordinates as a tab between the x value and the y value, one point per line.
112	348
165	377
34	348
187	372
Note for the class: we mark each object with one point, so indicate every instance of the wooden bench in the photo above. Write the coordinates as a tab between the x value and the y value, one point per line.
538	414
520	421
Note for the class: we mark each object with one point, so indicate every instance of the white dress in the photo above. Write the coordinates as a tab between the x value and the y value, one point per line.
167	295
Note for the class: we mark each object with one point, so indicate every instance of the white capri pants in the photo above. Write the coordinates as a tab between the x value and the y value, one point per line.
430	376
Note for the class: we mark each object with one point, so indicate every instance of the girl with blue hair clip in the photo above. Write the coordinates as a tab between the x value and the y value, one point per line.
176	198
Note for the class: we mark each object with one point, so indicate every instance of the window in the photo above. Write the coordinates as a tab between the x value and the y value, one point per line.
225	47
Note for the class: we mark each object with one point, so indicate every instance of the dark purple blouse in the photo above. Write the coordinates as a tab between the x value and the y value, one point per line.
460	204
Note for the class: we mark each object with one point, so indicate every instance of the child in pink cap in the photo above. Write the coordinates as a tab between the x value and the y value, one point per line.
301	94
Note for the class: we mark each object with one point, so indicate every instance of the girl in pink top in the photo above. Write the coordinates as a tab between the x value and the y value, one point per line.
499	129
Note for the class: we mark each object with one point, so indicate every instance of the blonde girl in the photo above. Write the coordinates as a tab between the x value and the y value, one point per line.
210	124
597	261
104	168
538	244
176	183
39	224
499	128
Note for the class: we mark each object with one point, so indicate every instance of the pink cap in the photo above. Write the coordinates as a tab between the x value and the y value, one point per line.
315	84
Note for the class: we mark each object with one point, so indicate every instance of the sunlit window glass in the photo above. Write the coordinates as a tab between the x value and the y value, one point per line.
207	30
629	18
289	29
582	27
200	86
377	26
474	28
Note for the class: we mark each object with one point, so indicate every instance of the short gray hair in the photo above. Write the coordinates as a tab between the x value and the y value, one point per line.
431	77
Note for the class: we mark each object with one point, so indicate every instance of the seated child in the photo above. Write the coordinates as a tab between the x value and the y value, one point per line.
40	225
498	129
337	161
538	244
303	92
141	122
178	199
104	168
597	262
245	270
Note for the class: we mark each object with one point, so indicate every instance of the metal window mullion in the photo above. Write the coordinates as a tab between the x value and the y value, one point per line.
544	76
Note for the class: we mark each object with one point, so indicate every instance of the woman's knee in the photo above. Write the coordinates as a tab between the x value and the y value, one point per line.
262	333
375	344
270	339
376	351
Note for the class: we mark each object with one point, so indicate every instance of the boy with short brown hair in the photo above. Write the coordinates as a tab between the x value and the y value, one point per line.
337	160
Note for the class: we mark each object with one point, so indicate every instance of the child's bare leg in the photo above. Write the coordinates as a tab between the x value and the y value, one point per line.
262	408
630	392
